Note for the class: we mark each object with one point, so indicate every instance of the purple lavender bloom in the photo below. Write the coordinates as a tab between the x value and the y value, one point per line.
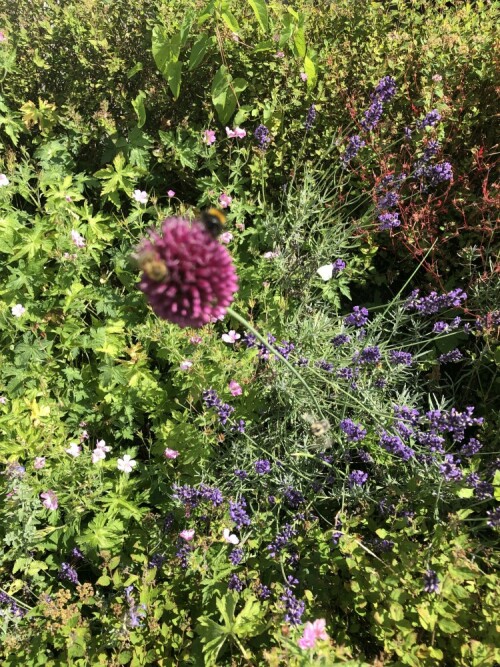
240	426
400	357
69	573
302	361
235	583
76	553
470	448
358	317
282	540
431	119
407	414
407	132
12	605
293	497
294	608
263	592
183	552
389	200
261	134
324	365
157	561
354	432
285	348
396	446
340	339
211	399
240	474
238	513
345	373
451	357
494	517
431	582
357	478
438	173
249	339
430	150
433	302
338	266
433	441
372	115
388	221
385	89
355	144
440	327
311	117
262	467
370	355
450	471
236	556
404	430
380	383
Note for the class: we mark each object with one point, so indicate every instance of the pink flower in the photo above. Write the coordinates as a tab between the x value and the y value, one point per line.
235	388
270	254
3	37
225	200
209	137
228	537
235	37
3	400
231	337
237	133
185	365
170	453
187	534
73	449
313	632
171	193
140	196
437	78
39	462
99	453
77	239
226	237
195	340
201	278
240	226
49	500
279	54
303	76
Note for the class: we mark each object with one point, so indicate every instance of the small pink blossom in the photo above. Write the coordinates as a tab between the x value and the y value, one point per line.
209	137
77	239
195	340
213	320
240	226
3	400
170	453
185	365
235	388
237	133
187	534
313	632
126	464
437	78
18	310
4	180
49	500
39	462
140	196
225	200
231	337
279	54
303	76
68	198
3	37
226	237
235	37
84	435
74	449
70	256
99	453
270	254
171	193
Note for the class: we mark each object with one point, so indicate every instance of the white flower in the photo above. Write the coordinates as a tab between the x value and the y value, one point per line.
18	310
325	272
101	444
98	455
3	180
74	449
232	539
185	365
140	196
270	254
126	464
77	239
231	337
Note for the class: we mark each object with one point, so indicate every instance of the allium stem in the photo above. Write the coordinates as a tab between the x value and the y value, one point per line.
254	331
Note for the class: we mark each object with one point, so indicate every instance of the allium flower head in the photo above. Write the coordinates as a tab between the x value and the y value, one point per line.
201	278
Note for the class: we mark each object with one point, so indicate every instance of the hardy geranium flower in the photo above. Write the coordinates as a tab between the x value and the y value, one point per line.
140	196
18	310
126	464
3	180
170	453
199	278
209	137
231	337
313	632
49	500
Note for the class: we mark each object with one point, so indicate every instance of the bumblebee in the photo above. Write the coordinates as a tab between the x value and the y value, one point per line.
149	262
320	428
214	221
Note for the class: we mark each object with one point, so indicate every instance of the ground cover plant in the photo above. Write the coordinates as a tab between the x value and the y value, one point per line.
278	444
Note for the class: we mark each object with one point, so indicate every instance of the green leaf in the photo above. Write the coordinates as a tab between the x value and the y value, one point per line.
268	45
198	51
299	40
138	67
173	77
225	92
448	626
138	105
103	580
161	48
230	20
310	70
260	10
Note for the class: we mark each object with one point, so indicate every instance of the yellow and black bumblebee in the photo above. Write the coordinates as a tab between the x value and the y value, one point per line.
214	221
150	262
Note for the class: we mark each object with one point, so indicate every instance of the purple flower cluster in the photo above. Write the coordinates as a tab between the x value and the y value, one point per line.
431	582
357	478
389	200
157	561
285	348
372	115
354	432
240	474
394	445
388	221
238	513
432	441
470	448
224	410
435	174
358	317
235	583
370	355
311	117
451	357
294	608
282	540
262	136
263	592
190	496
453	422
340	339
429	120
12	605
385	89
236	556
325	365
434	302
183	552
69	573
441	327
135	613
262	466
494	517
400	357
407	414
449	469
354	145
293	497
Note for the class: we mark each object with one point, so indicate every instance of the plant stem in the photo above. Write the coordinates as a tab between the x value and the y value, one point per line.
254	331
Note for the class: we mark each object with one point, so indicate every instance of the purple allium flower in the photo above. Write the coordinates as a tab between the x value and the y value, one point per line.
357	478
235	583
431	582
340	339
238	513
354	432
385	89
450	471
400	357
236	556
388	221
431	119
311	117
372	115
200	279
358	317
451	357
294	608
355	144
262	136
262	466
494	517
69	573
370	355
